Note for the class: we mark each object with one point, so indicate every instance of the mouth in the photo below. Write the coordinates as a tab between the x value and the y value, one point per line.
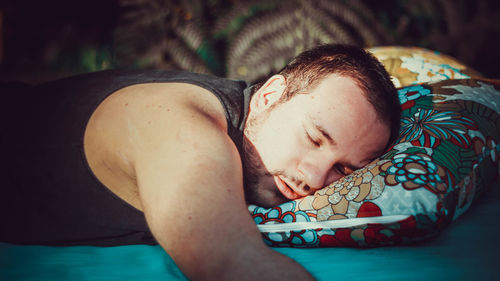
286	190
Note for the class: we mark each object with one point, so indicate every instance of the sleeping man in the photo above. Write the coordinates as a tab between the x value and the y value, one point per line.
147	157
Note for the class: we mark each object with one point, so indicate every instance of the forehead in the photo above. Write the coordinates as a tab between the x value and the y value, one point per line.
335	94
339	107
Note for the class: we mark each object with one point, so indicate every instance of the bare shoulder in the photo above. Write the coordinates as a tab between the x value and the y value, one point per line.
143	102
164	113
132	121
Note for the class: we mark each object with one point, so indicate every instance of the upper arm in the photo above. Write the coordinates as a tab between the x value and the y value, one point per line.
190	184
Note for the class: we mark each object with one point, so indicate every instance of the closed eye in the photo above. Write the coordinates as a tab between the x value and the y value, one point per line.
313	141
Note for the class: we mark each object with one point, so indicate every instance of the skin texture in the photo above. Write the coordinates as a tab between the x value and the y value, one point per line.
309	141
169	155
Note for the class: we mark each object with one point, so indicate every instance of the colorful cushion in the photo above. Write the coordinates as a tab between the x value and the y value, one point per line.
412	65
446	155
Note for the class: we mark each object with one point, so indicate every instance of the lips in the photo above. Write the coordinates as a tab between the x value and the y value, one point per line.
285	189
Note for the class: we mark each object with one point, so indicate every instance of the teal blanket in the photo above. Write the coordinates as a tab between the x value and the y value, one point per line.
467	250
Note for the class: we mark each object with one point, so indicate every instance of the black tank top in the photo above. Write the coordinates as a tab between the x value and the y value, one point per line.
49	194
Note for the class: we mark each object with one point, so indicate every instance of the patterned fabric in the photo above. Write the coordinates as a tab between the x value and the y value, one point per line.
445	157
412	65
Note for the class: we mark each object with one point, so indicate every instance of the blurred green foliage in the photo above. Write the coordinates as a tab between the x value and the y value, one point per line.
44	40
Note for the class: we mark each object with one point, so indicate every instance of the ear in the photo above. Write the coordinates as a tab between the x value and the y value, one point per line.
269	93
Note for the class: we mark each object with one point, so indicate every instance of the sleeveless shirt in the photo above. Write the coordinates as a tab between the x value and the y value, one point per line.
49	194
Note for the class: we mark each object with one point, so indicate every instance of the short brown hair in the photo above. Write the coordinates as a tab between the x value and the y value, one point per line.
306	70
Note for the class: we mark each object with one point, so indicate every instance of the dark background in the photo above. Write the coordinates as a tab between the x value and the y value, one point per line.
44	40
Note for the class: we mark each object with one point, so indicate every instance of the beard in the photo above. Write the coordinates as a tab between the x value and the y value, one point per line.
260	188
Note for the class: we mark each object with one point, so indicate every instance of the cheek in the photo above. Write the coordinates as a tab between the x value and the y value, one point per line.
281	139
285	148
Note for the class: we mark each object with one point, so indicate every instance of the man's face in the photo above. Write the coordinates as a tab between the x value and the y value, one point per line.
296	147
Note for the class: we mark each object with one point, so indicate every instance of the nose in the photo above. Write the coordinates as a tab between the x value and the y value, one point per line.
317	171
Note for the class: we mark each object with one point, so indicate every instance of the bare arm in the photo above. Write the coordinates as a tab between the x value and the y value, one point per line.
190	183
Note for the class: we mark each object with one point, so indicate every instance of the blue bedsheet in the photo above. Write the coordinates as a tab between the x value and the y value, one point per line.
467	250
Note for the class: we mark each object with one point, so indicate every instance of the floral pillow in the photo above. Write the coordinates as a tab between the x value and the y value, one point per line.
412	65
445	157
